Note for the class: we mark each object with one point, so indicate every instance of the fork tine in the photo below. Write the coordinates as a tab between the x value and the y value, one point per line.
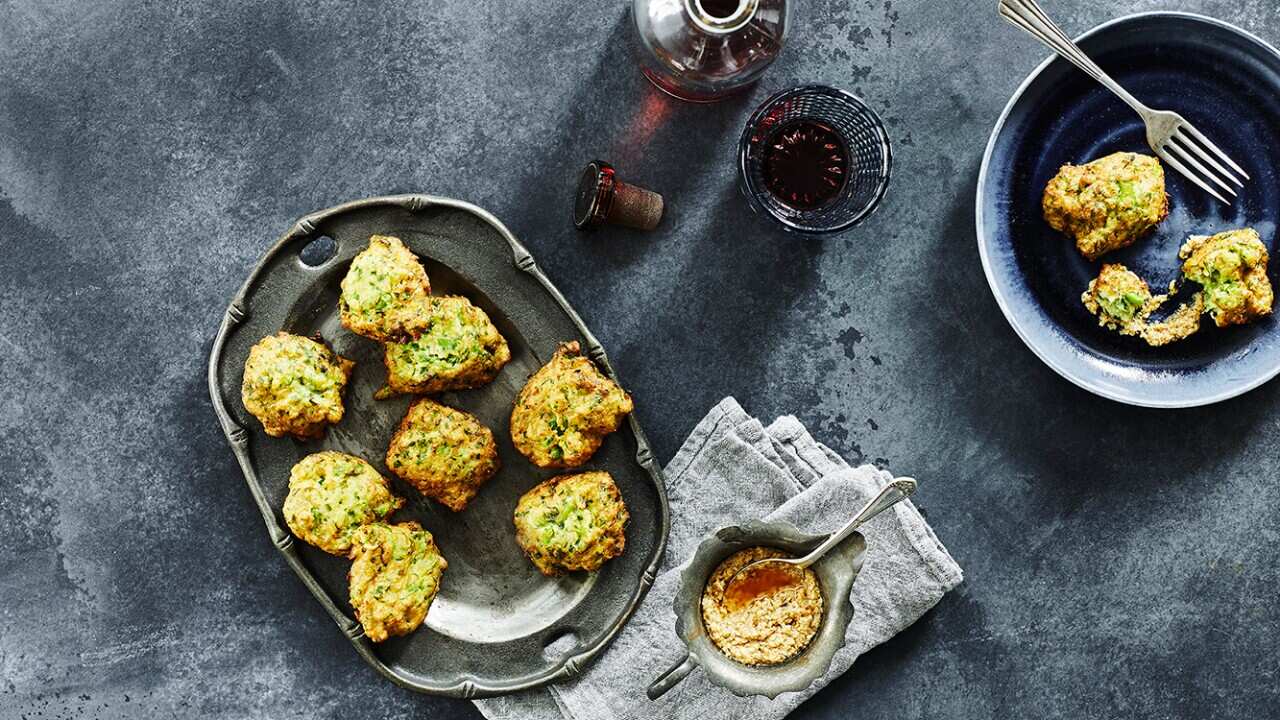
1182	152
1185	140
1199	136
1173	163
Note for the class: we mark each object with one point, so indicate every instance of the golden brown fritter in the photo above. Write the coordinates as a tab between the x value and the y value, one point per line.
1179	325
395	573
1121	300
1232	267
564	412
445	453
331	494
572	522
385	293
294	385
459	349
1107	204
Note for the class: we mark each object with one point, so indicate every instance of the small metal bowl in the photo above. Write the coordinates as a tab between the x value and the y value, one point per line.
836	572
866	143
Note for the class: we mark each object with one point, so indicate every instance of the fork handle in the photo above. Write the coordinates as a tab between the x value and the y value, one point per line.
1027	15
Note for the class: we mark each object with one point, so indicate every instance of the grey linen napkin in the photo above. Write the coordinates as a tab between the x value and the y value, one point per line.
732	469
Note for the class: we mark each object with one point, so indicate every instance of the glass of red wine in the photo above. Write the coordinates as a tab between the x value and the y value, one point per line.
815	158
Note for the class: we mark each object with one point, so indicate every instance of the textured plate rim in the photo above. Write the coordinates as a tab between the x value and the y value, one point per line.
238	438
1110	391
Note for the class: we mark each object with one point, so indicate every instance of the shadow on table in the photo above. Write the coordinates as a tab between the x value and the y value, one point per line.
748	273
727	299
882	679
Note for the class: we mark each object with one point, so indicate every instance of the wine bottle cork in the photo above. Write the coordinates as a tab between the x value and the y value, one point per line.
603	199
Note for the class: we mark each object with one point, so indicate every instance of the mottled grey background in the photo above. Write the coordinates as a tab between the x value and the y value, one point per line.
1120	562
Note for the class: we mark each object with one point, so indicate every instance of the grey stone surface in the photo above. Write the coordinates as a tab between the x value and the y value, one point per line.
1120	562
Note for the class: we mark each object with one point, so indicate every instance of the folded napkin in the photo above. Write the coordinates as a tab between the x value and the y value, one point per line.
733	469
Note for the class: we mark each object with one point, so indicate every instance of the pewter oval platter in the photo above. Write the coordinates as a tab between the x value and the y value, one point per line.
497	625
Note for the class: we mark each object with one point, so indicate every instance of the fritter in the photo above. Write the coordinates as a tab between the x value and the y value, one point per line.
331	494
1232	267
294	385
572	522
1121	300
395	573
1107	204
445	453
459	349
564	412
385	293
1181	323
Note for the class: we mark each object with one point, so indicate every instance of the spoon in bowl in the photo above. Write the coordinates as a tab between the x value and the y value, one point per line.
758	577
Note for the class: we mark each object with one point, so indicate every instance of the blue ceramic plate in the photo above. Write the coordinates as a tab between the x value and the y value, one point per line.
1226	82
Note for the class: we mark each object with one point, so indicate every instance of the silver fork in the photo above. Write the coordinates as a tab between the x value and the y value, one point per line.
1177	142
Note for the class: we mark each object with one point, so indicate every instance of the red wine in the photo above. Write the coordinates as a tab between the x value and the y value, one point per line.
805	164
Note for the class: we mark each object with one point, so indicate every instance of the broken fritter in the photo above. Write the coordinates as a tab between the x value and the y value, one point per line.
1120	299
1181	323
1232	268
1122	302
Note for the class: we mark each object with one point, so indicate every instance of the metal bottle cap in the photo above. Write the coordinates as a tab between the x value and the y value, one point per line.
603	199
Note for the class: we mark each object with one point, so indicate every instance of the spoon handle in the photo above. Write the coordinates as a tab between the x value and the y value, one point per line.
891	495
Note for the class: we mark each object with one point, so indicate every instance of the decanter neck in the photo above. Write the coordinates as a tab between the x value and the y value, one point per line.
710	15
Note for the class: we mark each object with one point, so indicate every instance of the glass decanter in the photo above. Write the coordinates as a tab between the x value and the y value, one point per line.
707	50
